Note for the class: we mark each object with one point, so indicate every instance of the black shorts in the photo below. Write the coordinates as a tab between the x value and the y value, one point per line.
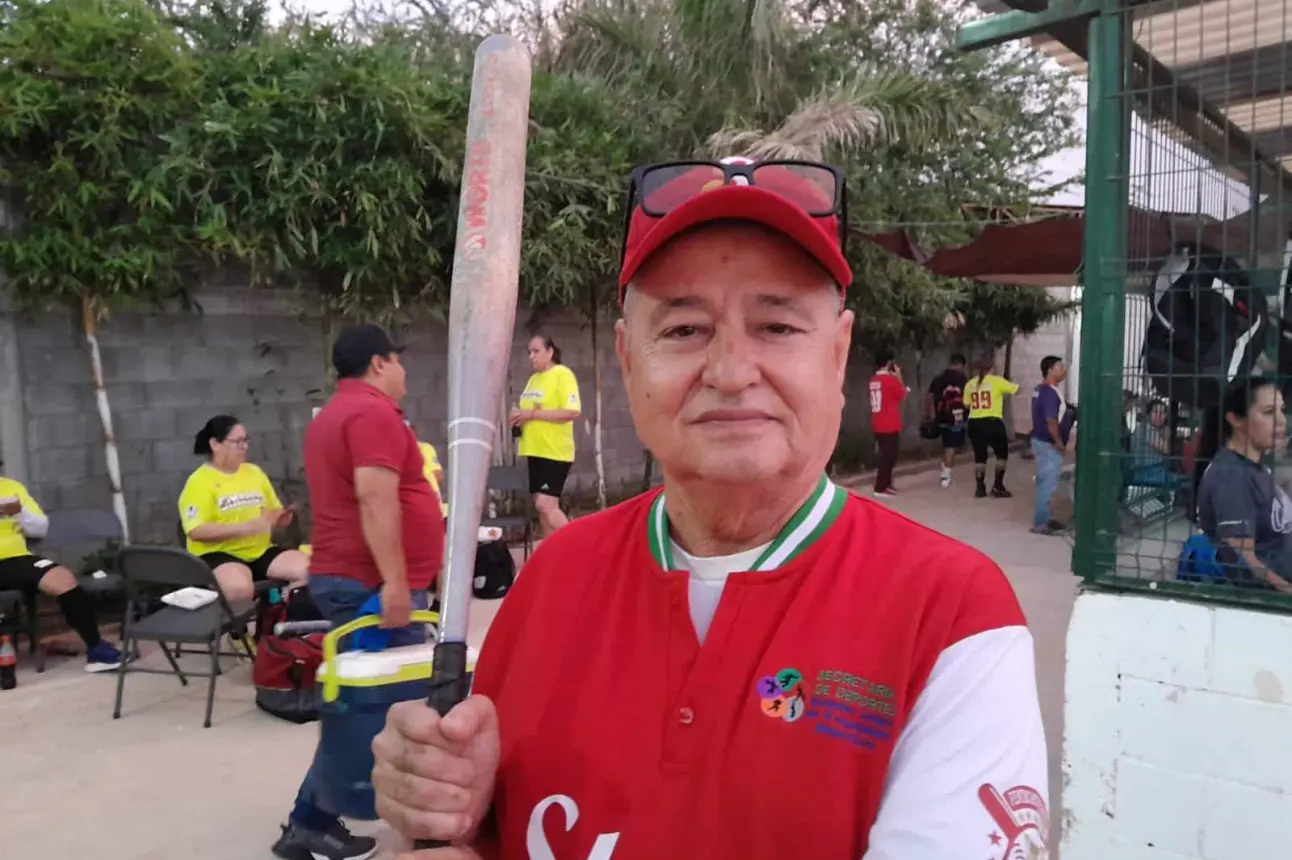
24	572
547	476
953	437
988	434
259	567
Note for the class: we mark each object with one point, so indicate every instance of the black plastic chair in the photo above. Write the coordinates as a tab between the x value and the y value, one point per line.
148	570
68	528
514	481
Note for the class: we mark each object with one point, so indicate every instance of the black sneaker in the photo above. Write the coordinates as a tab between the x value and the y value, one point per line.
336	843
1001	493
980	492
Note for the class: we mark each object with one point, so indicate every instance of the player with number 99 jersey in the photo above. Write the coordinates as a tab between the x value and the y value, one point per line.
985	395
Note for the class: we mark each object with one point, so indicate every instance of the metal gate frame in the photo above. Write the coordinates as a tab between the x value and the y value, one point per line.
1100	30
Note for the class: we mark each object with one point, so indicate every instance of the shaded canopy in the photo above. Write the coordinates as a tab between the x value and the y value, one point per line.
1046	251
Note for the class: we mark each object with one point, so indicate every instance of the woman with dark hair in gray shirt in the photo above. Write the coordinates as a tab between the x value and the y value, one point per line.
1240	507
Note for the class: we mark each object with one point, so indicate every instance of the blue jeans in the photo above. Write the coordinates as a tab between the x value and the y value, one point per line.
339	599
1049	464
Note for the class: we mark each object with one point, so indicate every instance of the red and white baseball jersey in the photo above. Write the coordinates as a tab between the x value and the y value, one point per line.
867	690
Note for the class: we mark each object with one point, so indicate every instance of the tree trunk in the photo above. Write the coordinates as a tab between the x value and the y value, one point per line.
1009	401
596	388
105	417
504	453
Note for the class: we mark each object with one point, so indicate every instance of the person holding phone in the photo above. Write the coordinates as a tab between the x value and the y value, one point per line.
887	393
229	512
548	408
21	518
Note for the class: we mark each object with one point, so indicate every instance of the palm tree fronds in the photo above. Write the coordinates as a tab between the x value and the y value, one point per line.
880	109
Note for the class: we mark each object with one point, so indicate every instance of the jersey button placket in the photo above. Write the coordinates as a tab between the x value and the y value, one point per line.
685	716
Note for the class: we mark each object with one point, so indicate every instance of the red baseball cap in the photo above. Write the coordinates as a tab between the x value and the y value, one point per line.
798	201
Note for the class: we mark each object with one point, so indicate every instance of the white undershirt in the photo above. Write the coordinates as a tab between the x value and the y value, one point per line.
708	576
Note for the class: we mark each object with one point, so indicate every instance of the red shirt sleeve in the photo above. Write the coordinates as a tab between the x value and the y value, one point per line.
377	437
896	388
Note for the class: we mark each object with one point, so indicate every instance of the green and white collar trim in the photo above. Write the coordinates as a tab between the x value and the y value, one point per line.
807	525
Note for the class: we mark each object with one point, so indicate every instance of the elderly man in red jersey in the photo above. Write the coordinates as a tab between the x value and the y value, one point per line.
751	663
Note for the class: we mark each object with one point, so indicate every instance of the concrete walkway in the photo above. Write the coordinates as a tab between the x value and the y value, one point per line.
155	785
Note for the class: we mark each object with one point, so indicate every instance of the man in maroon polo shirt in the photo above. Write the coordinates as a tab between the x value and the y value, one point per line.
377	529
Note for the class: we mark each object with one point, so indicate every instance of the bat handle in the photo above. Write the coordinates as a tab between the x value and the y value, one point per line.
448	686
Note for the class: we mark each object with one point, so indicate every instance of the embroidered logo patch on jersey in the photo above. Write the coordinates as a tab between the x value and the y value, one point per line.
782	696
1022	821
842	706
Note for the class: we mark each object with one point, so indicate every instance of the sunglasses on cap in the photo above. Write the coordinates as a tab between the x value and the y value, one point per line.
818	189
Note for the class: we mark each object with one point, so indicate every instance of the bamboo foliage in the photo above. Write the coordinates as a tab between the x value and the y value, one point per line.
147	140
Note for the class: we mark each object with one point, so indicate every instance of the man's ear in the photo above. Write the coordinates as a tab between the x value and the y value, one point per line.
621	348
842	344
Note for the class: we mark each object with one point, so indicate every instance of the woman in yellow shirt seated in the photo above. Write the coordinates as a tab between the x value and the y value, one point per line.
548	407
229	512
21	518
985	395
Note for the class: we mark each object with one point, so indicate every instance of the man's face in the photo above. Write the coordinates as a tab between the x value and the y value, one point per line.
389	373
733	352
1059	372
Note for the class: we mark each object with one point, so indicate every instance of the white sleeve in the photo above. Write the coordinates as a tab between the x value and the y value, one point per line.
968	778
33	525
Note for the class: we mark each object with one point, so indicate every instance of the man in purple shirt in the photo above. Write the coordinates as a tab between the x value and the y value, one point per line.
1047	444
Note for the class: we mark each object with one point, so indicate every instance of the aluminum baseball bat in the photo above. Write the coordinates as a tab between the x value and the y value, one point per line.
482	316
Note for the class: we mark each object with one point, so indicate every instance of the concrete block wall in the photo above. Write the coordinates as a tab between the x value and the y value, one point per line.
251	353
1177	731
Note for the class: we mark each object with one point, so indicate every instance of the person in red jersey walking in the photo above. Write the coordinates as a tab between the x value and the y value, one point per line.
749	663
378	533
887	392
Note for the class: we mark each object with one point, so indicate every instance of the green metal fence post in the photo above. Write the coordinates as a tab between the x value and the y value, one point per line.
1103	295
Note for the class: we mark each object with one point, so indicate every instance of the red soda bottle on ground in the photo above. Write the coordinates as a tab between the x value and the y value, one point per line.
8	663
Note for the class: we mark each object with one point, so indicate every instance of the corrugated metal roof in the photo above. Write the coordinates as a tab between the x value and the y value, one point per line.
1234	53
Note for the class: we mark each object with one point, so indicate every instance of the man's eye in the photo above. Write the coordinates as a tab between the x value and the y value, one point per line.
680	331
779	328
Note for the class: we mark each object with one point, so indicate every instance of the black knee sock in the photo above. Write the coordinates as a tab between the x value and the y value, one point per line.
78	609
1000	477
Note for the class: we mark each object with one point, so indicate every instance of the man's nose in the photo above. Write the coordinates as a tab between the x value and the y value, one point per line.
731	365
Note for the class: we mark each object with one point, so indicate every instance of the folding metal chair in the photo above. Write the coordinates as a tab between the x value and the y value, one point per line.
71	528
512	480
148	570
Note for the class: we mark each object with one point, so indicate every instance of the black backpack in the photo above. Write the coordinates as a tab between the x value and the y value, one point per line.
1209	325
495	570
951	406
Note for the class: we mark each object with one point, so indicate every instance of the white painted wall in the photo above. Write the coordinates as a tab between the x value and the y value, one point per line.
1057	337
1178	743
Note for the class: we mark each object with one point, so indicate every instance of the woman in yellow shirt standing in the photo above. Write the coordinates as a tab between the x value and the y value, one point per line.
548	407
229	512
985	395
